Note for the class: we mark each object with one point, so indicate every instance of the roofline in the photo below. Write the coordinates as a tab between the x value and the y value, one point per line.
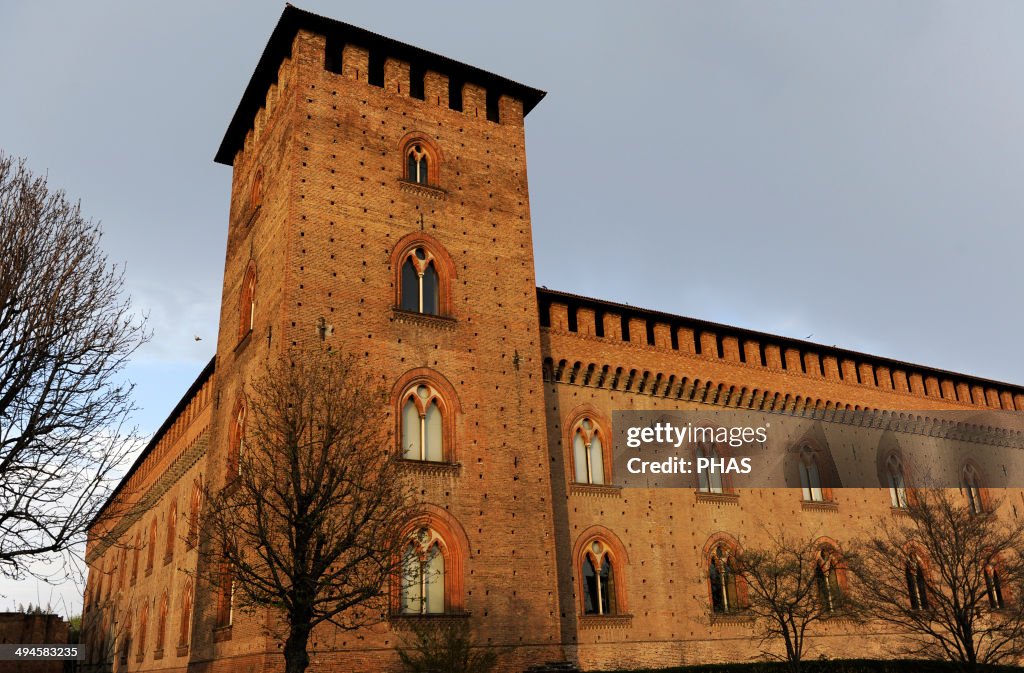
203	377
279	47
799	343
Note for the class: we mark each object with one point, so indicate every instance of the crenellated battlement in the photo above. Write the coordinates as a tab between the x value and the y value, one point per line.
610	323
359	55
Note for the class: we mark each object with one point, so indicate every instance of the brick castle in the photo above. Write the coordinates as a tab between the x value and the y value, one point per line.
379	203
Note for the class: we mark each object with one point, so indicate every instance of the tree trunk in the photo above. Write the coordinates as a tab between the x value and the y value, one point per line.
296	658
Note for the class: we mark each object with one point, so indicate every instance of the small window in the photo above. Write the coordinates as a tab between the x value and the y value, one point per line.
417	165
970	484
423	575
185	625
126	640
423	424
598	581
994	588
151	551
161	624
226	597
709	481
897	482
135	558
172	527
247	303
826	577
810	477
917	586
420	283
143	624
722	580
236	440
588	444
195	504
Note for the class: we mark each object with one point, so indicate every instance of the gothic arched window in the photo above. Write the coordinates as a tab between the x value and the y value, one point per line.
195	503
172	528
421	287
236	439
423	574
185	625
422	413
135	557
598	573
588	452
226	597
826	576
710	481
151	551
971	485
994	588
897	482
417	164
247	302
143	624
917	584
722	580
810	476
161	625
423	275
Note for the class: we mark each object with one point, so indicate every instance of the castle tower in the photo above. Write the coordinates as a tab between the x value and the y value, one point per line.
379	204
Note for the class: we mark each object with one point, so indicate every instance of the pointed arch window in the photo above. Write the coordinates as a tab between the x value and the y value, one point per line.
588	452
917	584
151	550
417	164
599	580
236	439
826	577
423	276
709	481
247	303
897	482
135	557
126	639
722	581
143	624
195	504
226	598
172	530
810	476
161	626
423	574
185	625
994	588
122	569
421	285
423	424
970	484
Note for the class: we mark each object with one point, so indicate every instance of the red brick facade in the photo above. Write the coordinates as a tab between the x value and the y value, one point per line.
339	234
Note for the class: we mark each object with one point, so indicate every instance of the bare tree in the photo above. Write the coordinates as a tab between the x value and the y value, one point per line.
310	526
66	333
948	576
792	584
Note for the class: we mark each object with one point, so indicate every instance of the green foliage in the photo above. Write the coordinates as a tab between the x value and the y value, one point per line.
444	646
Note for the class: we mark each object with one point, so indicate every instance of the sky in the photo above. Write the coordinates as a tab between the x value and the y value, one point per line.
846	170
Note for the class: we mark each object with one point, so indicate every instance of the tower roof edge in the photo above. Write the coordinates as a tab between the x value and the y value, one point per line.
279	45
